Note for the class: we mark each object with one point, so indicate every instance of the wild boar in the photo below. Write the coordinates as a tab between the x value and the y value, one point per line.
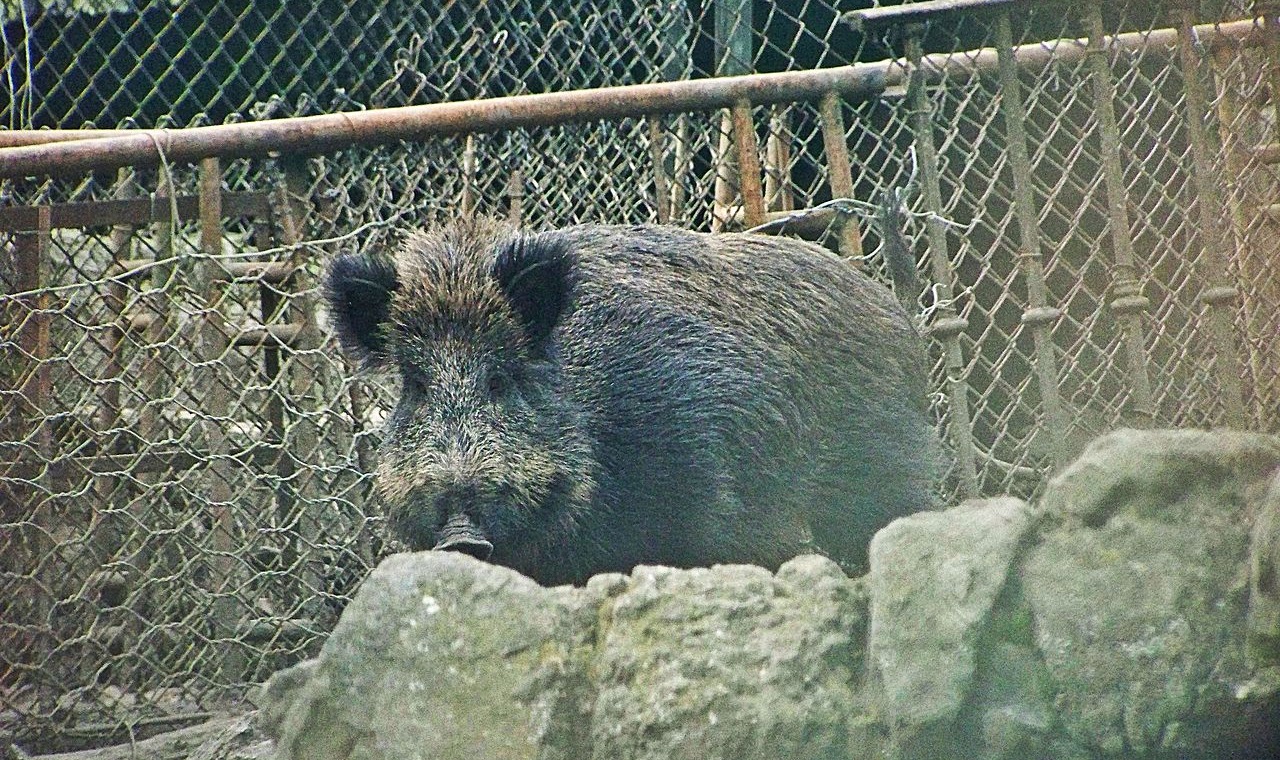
592	398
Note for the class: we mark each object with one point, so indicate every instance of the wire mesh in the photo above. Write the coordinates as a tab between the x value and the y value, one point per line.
185	454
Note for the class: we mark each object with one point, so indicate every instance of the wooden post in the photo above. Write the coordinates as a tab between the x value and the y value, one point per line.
212	346
748	149
777	163
840	172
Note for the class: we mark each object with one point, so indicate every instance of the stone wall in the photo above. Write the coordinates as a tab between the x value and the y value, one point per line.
1133	612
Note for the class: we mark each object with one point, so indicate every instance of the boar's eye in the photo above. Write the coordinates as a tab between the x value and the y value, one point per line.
500	383
412	380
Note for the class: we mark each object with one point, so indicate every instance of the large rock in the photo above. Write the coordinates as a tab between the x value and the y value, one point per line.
1264	577
934	579
1134	612
1138	596
444	656
438	656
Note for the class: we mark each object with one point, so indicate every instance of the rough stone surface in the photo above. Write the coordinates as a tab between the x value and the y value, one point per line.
934	579
440	656
443	656
1132	613
1136	588
1264	576
730	662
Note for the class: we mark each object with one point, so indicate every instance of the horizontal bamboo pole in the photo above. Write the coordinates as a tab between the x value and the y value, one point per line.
26	153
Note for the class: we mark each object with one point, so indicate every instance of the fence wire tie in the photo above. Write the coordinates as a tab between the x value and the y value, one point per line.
1197	44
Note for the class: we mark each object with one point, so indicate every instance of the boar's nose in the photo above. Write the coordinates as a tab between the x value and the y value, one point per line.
460	534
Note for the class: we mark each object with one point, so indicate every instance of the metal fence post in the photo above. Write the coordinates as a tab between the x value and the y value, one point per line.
112	533
32	511
1241	200
1220	295
1263	348
1039	316
1127	303
470	194
947	325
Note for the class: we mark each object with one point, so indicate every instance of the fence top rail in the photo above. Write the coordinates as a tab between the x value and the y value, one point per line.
31	153
868	18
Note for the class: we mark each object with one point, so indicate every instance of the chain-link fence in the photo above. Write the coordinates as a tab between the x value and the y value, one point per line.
184	457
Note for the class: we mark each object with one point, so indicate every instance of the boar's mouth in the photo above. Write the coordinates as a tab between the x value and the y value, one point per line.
460	534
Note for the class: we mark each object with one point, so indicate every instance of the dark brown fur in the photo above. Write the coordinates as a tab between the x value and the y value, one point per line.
593	398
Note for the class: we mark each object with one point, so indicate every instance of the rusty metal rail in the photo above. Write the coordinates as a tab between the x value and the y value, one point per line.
44	152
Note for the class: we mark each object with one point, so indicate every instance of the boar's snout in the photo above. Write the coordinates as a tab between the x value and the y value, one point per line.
460	534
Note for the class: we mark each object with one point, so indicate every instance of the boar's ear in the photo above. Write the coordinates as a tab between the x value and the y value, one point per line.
358	288
535	273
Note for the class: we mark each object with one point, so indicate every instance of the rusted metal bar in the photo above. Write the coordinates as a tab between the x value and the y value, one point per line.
869	18
270	300
36	401
658	158
833	143
109	149
1127	303
725	160
1220	297
1039	316
680	167
155	377
34	322
306	382
839	171
157	322
128	212
947	325
748	149
35	250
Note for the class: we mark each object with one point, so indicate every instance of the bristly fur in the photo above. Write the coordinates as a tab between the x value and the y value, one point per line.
476	276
